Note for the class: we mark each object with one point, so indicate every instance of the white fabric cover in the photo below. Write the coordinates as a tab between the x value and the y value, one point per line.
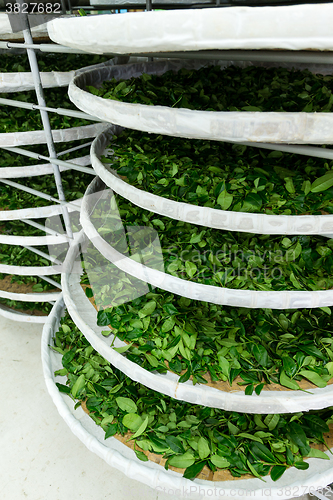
232	126
204	216
293	482
12	139
49	239
18	82
45	168
30	297
296	27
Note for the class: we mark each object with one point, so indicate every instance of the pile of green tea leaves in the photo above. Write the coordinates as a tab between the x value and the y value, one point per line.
230	89
188	436
219	258
205	341
49	62
197	339
224	176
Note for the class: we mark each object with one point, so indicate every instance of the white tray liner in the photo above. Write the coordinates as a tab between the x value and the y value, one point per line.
233	126
84	315
43	169
8	239
283	299
12	139
117	455
30	270
204	216
297	27
22	81
30	297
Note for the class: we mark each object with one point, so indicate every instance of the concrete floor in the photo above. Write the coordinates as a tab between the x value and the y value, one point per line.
39	456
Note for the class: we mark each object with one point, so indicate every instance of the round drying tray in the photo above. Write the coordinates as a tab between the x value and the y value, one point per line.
84	315
282	299
117	455
203	216
296	27
232	126
12	139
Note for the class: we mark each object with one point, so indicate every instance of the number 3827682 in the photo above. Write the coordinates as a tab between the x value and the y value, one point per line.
33	8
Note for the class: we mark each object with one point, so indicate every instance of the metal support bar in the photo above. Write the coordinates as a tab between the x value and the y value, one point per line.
45	117
74	149
37	156
41	227
249	55
51	281
43	47
327	154
40	194
59	111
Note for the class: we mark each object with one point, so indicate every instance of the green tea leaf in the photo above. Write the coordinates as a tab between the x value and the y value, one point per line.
126	404
182	461
301	465
314	453
132	421
78	386
313	377
191	268
148	309
287	382
141	429
298	436
111	431
122	349
322	183
220	462
203	448
224	199
176	445
261	452
193	470
277	471
260	353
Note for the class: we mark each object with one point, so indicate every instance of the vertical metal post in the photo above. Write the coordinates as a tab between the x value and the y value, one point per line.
45	117
149	5
63	6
